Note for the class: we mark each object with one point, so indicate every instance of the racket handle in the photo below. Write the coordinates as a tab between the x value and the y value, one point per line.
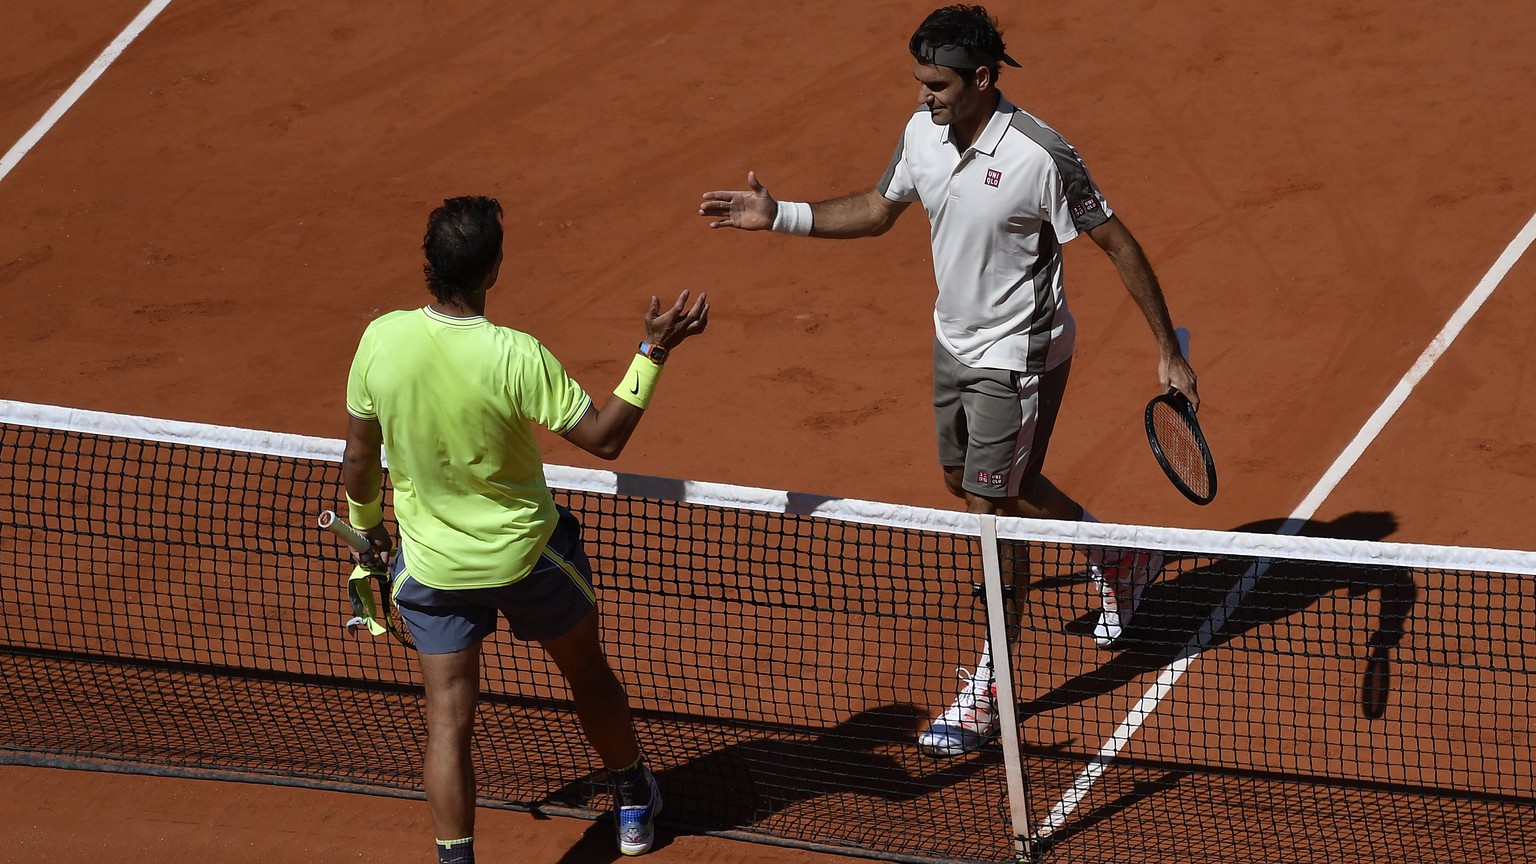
349	535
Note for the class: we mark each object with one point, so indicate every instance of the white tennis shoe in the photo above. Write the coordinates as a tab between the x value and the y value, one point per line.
967	725
1121	583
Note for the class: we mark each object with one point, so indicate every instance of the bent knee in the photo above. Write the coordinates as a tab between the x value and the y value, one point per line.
954	480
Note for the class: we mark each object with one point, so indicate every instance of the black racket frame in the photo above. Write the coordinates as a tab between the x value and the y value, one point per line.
1180	404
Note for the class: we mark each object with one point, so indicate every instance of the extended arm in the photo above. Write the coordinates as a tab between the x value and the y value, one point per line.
603	432
362	472
860	214
1136	272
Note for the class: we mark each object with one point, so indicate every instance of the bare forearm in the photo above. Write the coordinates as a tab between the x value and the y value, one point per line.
1136	273
361	472
604	432
861	214
1141	283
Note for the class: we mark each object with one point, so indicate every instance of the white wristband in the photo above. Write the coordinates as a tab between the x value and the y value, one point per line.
794	217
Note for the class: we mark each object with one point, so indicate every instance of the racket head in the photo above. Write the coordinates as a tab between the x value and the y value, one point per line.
388	611
393	621
1180	447
375	601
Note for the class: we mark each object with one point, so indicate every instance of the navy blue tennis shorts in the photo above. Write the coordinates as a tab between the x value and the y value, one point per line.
543	605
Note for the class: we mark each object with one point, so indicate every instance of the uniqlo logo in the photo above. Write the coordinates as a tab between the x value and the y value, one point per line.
987	478
994	177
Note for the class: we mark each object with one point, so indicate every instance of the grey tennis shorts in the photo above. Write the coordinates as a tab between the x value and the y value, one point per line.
995	423
545	604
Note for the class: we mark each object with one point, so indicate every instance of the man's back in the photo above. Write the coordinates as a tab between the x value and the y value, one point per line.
455	398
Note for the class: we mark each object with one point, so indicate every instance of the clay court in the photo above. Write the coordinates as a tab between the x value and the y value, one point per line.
1320	185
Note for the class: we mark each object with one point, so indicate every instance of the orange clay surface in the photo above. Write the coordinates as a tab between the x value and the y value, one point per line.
203	237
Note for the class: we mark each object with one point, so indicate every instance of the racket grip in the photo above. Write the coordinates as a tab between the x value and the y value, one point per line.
349	535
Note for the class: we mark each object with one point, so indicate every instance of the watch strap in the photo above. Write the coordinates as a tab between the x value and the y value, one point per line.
655	353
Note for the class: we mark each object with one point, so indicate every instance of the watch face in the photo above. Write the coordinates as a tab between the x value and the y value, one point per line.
658	354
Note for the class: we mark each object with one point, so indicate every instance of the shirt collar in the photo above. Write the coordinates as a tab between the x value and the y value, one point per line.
450	320
991	134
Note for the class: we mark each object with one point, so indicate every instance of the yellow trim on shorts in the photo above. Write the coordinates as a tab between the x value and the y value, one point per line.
571	571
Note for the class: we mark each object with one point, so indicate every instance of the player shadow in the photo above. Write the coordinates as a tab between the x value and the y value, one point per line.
743	785
1176	608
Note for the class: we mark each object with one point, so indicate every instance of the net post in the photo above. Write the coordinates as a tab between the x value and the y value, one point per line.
1026	846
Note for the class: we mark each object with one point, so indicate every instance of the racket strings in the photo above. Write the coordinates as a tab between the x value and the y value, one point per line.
394	619
1181	447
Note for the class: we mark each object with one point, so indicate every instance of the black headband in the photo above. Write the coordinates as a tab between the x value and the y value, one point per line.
958	57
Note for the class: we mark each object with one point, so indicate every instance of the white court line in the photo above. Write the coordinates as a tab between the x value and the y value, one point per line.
77	89
1170	674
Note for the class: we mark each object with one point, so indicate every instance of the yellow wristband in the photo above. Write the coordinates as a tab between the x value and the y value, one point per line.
639	382
365	516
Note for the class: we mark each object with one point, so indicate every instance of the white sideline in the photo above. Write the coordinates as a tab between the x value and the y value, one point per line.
1170	674
82	83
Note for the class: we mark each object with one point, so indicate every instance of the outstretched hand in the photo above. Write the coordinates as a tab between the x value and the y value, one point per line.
671	327
750	209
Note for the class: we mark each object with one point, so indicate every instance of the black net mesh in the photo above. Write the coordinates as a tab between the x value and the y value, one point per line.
171	606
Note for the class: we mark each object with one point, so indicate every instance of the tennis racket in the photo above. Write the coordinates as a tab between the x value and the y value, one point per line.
371	610
1180	446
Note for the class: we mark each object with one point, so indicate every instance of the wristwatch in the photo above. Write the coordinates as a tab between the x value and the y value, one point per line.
655	353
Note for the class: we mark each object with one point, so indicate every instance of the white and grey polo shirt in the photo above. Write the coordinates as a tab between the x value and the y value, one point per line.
999	213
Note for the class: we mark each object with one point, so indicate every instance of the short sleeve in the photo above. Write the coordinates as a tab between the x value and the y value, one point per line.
546	394
1071	198
360	402
896	184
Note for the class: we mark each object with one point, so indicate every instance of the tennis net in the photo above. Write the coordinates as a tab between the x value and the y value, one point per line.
168	607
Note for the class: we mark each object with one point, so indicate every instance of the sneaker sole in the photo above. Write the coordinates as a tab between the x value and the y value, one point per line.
944	742
1105	639
633	849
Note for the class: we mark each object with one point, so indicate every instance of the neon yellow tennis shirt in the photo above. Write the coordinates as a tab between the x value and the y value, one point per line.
456	398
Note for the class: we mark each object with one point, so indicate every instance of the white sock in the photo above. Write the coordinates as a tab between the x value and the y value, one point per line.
982	680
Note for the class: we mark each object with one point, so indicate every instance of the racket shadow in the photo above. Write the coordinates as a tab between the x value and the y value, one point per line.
1174	609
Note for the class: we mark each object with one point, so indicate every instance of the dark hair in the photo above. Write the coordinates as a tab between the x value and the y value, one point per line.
966	27
462	243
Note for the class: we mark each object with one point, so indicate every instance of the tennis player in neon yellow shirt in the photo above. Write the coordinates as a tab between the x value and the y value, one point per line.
452	399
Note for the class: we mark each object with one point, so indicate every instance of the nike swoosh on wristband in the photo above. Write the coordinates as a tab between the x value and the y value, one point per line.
635	390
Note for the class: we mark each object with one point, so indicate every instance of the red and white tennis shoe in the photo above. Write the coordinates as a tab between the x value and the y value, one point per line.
969	723
1121	582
